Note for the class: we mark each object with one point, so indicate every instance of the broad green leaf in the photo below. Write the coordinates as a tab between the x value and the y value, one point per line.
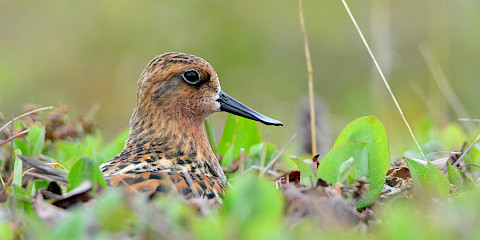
370	131
32	144
329	167
228	156
307	176
429	180
420	176
440	183
240	133
40	183
85	169
226	140
20	144
36	140
348	171
468	182
454	177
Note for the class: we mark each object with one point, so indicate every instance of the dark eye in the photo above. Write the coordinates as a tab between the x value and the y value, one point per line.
191	76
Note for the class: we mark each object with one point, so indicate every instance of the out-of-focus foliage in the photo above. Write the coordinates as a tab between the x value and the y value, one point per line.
254	207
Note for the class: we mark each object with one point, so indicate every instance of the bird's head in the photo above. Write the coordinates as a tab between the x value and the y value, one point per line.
185	87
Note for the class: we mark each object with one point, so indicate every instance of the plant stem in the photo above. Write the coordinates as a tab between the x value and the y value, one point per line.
310	79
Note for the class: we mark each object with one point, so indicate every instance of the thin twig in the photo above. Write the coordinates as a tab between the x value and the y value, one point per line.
310	79
468	119
25	114
13	137
277	156
383	77
469	165
466	151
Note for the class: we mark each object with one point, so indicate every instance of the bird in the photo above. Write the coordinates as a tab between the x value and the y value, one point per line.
167	150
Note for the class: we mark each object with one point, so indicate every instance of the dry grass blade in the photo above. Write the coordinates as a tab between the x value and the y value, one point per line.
444	86
13	137
383	77
25	114
466	151
469	119
310	79
277	156
43	167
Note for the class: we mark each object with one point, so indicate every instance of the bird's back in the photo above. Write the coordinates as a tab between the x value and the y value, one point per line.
156	169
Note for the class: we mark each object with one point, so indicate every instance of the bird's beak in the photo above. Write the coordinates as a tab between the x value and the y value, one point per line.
229	104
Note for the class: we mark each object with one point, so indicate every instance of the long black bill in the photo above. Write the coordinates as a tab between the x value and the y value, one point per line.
229	104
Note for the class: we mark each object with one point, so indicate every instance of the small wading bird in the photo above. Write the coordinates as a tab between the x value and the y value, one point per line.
167	149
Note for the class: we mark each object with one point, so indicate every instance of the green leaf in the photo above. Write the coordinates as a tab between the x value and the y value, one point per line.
238	133
32	144
36	140
228	156
20	144
348	171
440	183
420	176
17	170
468	182
370	131
307	176
429	180
454	177
85	169
329	168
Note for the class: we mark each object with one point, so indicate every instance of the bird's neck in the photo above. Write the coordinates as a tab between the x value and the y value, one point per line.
172	140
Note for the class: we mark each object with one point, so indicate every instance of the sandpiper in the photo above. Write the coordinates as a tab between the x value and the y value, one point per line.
167	149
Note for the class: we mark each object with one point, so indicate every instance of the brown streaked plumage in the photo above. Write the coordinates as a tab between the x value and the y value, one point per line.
167	149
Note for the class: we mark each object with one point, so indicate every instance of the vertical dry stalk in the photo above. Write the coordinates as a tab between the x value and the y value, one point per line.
382	76
310	78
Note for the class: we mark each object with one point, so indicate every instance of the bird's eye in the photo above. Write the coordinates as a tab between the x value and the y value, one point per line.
191	76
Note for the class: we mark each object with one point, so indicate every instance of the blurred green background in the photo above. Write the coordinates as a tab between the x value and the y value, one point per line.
83	53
